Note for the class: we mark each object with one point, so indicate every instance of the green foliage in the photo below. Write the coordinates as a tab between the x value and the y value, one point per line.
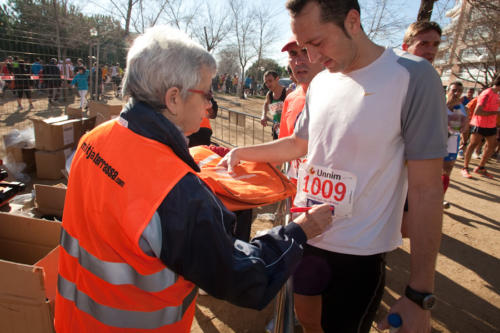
56	28
266	64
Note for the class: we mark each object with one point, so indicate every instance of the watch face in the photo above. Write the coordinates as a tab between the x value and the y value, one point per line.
429	302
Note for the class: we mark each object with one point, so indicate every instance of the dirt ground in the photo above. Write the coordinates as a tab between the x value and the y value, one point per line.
468	267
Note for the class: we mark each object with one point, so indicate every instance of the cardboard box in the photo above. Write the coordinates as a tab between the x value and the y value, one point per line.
49	200
24	155
28	273
60	132
50	163
74	113
103	112
88	124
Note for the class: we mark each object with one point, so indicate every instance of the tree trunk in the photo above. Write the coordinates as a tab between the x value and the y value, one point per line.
127	19
425	11
241	83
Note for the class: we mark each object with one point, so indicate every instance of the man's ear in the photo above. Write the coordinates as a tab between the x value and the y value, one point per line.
172	100
352	23
405	47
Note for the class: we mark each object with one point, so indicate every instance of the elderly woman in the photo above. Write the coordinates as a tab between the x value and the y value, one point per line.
140	229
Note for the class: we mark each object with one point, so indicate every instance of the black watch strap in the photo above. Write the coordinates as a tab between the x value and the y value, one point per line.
425	300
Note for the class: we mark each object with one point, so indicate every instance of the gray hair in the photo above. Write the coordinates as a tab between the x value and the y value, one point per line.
160	59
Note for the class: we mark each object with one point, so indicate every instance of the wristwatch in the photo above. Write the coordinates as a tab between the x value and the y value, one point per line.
425	300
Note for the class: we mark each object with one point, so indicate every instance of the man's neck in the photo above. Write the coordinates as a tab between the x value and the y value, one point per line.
277	90
304	86
366	53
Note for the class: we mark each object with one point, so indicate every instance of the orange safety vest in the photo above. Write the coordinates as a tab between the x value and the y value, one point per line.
205	122
106	282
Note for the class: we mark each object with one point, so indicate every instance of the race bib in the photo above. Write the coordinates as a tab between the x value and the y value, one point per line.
275	108
453	142
318	185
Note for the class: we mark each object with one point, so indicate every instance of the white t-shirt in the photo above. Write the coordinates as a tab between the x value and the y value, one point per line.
364	125
114	71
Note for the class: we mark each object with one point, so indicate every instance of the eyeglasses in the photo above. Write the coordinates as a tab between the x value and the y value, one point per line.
207	94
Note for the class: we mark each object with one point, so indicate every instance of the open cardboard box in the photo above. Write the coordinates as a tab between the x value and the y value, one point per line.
59	132
103	112
28	273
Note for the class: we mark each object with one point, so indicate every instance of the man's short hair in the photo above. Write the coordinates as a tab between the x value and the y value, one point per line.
455	83
334	11
419	27
273	73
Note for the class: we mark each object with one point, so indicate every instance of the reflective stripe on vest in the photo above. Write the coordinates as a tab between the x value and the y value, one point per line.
122	318
117	273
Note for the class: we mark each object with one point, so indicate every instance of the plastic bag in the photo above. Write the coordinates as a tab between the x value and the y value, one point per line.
15	169
26	137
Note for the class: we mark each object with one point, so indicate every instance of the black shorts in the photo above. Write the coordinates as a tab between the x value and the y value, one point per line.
116	80
351	287
26	92
484	131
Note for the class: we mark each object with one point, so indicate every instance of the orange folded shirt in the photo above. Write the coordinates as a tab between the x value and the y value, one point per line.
253	184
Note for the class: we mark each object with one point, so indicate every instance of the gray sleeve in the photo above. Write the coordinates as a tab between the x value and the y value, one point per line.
424	116
301	129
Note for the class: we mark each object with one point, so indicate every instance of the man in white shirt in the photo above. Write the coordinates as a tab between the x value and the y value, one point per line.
372	127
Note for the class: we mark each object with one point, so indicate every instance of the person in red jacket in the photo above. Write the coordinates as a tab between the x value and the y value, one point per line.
141	231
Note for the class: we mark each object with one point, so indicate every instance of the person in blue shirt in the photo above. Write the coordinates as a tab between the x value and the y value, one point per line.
36	68
82	81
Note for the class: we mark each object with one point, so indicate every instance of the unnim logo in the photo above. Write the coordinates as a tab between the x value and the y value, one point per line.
330	175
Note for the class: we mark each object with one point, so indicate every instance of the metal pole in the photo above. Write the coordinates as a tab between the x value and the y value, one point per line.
97	73
90	70
284	315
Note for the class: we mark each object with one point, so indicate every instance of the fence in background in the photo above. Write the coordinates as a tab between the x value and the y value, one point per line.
234	128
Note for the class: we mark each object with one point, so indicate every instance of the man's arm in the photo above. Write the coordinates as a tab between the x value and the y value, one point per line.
274	152
265	109
425	199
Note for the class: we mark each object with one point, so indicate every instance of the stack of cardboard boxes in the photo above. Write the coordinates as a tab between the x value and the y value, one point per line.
55	140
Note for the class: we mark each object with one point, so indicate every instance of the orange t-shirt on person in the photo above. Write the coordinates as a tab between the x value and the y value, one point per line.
471	106
292	107
488	99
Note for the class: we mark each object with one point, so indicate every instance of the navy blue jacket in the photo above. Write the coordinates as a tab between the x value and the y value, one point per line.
191	231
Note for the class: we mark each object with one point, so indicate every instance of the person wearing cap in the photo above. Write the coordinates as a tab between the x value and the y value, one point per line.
304	71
